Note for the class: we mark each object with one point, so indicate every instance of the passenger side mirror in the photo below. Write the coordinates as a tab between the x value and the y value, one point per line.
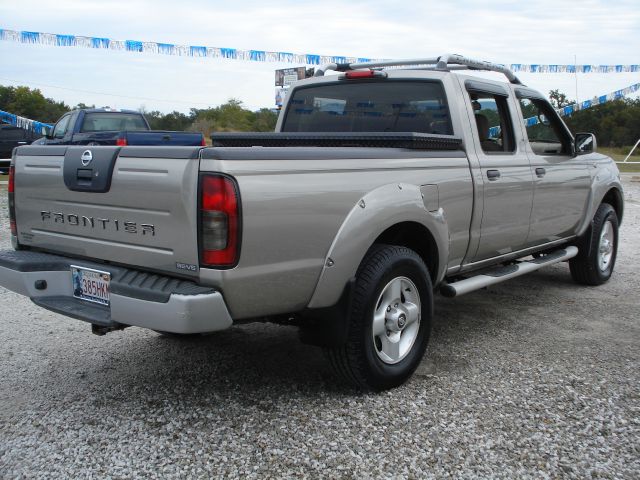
543	120
585	143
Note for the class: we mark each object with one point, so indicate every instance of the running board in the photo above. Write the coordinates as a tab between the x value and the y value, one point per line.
500	274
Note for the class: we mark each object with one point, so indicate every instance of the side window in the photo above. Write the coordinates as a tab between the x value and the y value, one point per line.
546	133
13	134
61	127
493	122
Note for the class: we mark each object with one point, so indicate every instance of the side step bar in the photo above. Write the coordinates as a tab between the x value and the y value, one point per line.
500	274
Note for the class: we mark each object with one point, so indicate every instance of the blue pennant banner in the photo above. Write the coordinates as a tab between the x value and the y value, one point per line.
575	107
258	55
172	49
26	123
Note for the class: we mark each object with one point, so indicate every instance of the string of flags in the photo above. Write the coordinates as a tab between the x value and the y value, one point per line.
139	46
42	128
575	107
25	123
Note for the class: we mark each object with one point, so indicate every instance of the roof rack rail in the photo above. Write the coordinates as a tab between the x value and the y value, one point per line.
444	62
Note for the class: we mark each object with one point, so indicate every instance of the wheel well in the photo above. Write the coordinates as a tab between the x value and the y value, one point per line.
614	198
416	237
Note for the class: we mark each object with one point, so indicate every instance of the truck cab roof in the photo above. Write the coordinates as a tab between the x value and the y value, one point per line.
105	110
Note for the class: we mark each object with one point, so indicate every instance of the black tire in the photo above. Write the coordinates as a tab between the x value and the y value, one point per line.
585	267
357	360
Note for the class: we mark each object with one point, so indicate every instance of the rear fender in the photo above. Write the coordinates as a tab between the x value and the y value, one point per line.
378	210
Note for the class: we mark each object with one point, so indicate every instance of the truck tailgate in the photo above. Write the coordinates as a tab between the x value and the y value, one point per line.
132	205
164	138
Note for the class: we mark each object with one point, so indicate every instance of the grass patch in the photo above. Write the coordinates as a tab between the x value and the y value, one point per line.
4	177
619	154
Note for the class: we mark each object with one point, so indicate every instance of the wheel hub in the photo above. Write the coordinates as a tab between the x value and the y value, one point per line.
396	320
606	246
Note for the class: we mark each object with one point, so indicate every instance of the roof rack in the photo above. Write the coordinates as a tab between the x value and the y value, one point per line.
444	62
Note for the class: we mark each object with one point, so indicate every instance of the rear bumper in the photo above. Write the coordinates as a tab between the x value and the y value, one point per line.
136	298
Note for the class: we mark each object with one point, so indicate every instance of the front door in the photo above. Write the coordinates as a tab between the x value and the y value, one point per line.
561	181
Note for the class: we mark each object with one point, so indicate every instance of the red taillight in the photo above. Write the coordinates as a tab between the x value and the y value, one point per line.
360	74
121	142
219	221
204	142
12	201
12	173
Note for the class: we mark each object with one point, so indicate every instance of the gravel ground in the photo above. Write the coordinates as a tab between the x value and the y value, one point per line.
534	378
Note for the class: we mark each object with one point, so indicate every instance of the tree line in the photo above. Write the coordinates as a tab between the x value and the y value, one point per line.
615	123
229	117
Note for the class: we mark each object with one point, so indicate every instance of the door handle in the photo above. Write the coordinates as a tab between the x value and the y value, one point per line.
493	174
540	172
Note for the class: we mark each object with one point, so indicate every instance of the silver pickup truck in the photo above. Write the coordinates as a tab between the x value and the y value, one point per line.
380	187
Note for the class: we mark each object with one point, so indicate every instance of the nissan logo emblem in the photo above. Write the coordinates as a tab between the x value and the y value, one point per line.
86	158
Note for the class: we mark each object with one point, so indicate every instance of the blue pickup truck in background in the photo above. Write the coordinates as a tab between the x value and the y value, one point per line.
107	126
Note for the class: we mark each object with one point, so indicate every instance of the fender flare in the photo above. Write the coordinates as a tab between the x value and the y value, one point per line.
595	198
374	213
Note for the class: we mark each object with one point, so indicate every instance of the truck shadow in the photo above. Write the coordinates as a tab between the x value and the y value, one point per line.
266	359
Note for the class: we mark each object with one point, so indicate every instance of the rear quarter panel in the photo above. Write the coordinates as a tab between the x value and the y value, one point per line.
293	209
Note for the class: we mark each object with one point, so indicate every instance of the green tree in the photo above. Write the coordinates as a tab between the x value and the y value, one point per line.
228	117
170	121
265	120
30	103
615	123
558	99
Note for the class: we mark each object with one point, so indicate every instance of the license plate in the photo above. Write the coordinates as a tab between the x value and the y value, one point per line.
90	285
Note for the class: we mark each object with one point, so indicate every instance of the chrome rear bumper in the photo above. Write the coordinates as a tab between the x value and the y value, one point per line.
137	298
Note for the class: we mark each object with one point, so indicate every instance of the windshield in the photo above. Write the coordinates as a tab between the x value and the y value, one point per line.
384	106
108	121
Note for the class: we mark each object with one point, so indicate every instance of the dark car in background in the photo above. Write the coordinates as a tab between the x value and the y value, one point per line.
107	126
11	137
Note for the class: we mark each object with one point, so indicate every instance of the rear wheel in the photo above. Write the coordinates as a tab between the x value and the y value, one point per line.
389	321
598	249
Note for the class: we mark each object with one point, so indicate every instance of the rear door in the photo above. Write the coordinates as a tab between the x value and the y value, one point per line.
506	174
561	181
11	137
134	205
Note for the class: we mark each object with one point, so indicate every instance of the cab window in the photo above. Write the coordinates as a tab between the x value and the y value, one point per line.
547	135
493	122
60	130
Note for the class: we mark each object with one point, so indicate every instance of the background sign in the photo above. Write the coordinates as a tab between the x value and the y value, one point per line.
286	76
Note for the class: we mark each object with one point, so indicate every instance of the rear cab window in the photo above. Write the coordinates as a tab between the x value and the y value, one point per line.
108	121
384	106
12	134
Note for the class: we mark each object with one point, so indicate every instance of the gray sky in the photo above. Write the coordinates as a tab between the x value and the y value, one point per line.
542	32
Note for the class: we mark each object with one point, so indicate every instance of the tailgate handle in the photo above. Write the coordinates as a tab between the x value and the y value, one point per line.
84	176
